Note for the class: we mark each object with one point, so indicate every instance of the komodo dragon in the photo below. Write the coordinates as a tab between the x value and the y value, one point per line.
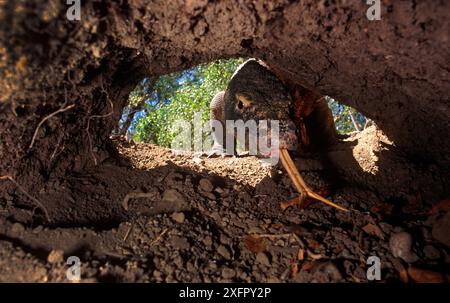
256	93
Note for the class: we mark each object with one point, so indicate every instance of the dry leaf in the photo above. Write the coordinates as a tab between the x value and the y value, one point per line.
441	206
403	276
373	230
313	244
425	276
294	269
401	270
295	201
254	244
308	265
286	204
301	254
382	209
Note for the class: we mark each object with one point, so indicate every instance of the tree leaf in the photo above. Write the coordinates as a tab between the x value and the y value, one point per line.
301	254
254	244
425	276
441	206
373	230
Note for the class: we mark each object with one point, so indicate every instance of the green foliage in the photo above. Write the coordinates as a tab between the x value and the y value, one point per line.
179	96
343	117
139	94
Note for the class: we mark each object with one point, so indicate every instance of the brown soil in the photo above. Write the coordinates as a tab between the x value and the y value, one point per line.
194	220
64	86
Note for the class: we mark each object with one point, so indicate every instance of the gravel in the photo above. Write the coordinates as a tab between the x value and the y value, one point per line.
263	259
224	252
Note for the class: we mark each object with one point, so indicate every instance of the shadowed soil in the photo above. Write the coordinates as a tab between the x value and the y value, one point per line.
64	86
212	220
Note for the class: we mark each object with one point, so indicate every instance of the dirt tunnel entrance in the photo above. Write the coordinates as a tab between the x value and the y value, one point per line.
65	83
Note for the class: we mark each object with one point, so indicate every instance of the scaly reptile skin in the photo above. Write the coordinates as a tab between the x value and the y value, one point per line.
253	93
216	107
256	92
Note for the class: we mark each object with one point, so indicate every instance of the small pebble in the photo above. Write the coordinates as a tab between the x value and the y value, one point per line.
205	185
17	228
173	196
224	252
224	239
38	229
157	274
263	259
178	217
190	267
178	261
431	252
228	273
208	241
180	243
401	247
329	270
55	256
208	195
199	161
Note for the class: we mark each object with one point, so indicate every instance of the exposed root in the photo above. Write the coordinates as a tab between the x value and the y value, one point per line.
297	238
128	233
55	152
90	141
45	119
98	117
36	201
13	108
159	237
308	251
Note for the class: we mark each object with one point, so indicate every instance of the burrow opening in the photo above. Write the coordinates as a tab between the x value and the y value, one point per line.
157	102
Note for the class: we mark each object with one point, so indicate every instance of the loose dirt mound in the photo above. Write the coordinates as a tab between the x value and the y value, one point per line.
150	215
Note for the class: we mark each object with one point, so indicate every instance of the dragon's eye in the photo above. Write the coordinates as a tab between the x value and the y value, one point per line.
242	101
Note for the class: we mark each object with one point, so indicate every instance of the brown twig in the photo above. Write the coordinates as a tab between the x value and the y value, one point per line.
13	108
36	201
56	149
297	238
45	119
159	237
308	251
98	117
128	233
135	196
